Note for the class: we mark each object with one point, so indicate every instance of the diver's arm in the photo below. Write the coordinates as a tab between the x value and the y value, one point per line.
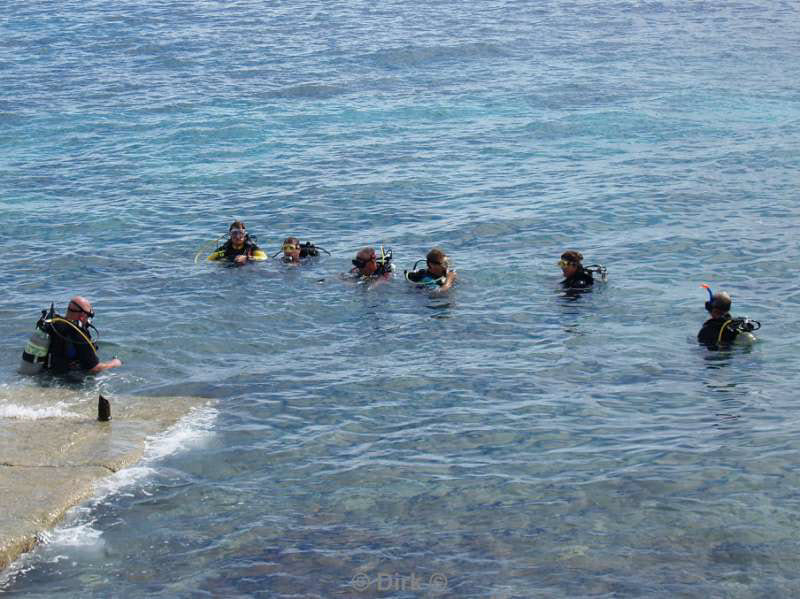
113	363
379	281
448	283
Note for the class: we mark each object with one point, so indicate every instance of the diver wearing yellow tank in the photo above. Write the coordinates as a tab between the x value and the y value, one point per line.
240	248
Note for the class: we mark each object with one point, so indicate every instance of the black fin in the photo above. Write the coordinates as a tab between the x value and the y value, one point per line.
103	409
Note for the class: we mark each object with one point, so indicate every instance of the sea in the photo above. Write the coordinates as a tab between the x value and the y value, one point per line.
503	440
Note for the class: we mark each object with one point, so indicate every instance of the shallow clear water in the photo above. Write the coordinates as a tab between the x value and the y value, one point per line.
504	441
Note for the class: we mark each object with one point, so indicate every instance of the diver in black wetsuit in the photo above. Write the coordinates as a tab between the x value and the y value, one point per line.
437	275
368	266
722	329
69	345
240	247
575	275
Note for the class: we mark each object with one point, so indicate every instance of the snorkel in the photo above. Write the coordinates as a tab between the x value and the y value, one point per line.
384	262
710	301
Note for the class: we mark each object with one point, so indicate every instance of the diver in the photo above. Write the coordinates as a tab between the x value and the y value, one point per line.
240	247
294	252
368	266
64	344
722	329
438	275
576	275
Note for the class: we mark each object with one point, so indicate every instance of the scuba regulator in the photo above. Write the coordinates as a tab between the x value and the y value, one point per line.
744	325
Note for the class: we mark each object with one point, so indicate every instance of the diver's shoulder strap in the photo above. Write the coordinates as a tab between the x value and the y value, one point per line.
722	330
80	332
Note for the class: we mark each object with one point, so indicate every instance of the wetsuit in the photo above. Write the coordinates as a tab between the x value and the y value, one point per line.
425	278
582	279
69	350
710	336
230	252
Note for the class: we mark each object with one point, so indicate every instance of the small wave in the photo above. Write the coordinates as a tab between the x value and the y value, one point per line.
418	55
78	528
17	412
190	431
72	536
309	90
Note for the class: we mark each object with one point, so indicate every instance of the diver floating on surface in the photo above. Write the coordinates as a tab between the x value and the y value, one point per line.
438	274
576	275
240	247
368	266
294	251
722	329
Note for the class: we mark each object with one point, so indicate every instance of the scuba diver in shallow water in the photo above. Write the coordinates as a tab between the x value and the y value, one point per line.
722	329
437	276
576	275
368	266
64	344
240	248
294	251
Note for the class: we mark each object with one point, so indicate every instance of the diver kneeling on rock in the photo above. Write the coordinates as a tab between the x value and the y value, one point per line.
64	344
722	329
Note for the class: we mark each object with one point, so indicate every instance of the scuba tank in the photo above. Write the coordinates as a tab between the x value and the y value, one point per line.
34	356
599	270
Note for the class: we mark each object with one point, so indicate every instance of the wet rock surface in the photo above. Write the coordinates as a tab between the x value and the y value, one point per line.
53	450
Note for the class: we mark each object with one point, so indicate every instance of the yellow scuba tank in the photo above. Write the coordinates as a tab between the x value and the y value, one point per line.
34	356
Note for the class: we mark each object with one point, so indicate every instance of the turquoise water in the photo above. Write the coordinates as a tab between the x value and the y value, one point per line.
504	441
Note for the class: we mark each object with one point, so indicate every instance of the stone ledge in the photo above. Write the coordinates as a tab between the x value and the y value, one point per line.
50	464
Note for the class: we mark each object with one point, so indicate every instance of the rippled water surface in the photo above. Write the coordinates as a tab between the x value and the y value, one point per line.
502	441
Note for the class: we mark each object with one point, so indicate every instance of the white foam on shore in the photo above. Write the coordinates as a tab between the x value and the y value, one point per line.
17	412
77	530
194	429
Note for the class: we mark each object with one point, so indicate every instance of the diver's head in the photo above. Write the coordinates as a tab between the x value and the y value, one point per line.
438	262
570	263
79	310
719	304
291	249
237	237
365	261
237	224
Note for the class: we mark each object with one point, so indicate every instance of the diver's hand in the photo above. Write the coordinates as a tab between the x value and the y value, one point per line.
113	363
240	259
449	280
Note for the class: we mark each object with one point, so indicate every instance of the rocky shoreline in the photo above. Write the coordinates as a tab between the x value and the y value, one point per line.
53	450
